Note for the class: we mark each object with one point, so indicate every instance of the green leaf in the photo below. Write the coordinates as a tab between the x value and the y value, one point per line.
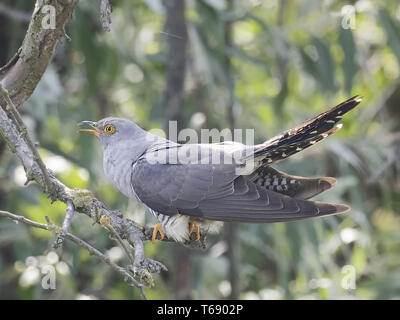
349	65
392	31
320	65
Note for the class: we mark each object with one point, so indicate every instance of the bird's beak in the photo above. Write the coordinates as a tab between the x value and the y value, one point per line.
92	124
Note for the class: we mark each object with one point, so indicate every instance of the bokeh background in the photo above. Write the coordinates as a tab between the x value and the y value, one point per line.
264	65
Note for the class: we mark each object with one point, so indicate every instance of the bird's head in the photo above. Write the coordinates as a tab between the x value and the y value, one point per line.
112	131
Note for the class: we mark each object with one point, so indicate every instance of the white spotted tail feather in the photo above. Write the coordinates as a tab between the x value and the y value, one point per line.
293	186
304	135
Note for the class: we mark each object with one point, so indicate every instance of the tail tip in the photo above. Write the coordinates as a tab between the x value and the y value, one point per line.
327	209
342	208
327	183
358	98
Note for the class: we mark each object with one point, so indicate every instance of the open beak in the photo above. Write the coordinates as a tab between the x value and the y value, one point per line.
91	124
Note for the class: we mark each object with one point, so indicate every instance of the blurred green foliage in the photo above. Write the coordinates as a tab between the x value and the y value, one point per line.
290	60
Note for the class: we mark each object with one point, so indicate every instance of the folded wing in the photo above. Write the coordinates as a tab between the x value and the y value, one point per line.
217	193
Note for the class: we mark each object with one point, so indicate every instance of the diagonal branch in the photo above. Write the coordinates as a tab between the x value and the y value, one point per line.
22	128
105	223
37	50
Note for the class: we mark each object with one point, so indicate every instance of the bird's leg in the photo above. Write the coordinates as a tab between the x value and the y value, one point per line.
194	225
157	229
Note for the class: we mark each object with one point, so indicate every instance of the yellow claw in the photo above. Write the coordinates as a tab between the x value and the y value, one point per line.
157	229
104	220
194	225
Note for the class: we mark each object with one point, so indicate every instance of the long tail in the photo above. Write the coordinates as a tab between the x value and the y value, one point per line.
304	135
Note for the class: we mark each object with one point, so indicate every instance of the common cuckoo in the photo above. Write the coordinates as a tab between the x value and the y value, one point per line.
196	187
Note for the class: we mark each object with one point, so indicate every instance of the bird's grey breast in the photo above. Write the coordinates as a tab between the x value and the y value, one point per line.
118	165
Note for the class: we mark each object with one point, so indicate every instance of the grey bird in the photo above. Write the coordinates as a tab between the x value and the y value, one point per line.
195	187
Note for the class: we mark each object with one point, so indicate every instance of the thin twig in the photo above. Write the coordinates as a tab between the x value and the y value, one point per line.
69	212
128	253
170	35
24	132
50	227
121	242
11	62
24	220
68	216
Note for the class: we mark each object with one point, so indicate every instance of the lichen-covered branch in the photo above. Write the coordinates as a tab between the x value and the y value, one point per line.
23	130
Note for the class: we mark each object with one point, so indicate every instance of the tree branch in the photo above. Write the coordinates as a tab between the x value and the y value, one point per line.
51	227
105	223
66	224
36	51
22	128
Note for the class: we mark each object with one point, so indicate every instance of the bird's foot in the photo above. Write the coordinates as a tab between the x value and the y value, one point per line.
143	269
157	229
194	225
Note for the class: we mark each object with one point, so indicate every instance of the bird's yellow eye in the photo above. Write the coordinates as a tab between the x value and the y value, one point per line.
109	129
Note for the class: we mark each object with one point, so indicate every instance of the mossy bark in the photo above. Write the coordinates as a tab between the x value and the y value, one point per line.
37	50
